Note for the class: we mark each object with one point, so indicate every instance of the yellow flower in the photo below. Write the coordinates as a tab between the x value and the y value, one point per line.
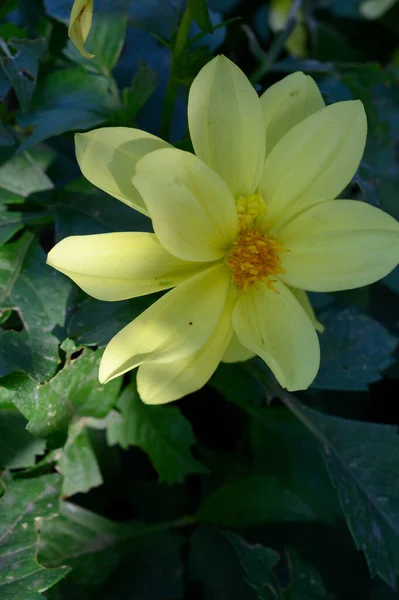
80	24
241	230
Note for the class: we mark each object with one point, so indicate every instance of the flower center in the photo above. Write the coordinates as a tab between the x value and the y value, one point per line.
254	255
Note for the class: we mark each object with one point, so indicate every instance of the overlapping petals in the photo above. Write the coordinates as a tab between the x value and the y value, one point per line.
314	161
117	266
339	245
226	125
276	327
287	103
107	157
192	210
173	328
164	382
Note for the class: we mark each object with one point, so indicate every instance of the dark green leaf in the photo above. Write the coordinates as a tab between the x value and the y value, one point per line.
161	431
306	583
137	96
257	562
21	64
70	100
354	350
39	294
73	393
252	500
235	382
363	462
18	447
200	15
94	547
24	174
25	502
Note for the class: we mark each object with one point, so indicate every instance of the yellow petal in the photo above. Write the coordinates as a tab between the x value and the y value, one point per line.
116	266
314	161
287	103
226	125
107	157
274	325
192	210
160	383
172	328
373	9
80	24
303	298
236	352
339	245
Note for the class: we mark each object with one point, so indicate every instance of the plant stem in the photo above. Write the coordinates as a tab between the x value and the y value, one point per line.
278	43
173	84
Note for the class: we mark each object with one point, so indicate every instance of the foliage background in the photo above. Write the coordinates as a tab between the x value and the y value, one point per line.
240	491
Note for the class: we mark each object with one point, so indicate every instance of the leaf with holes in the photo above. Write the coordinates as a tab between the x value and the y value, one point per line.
25	501
40	297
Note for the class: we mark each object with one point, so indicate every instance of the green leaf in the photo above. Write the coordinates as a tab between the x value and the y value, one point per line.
252	500
39	295
354	350
214	562
21	65
18	447
70	100
199	13
161	431
23	504
23	174
78	463
257	563
363	461
136	97
94	547
105	41
72	394
306	583
235	382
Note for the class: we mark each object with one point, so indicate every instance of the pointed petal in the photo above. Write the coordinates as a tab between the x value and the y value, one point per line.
275	326
172	328
287	103
116	266
226	125
303	298
314	161
339	245
236	352
107	157
160	383
192	210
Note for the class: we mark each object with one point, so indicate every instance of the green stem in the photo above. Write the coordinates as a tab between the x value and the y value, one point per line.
173	84
278	44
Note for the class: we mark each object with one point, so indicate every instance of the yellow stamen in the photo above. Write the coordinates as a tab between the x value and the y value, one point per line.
248	208
254	257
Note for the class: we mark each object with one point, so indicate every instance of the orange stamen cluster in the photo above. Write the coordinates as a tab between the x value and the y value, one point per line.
254	257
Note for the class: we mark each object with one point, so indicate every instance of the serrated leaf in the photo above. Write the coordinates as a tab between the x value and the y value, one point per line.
78	463
25	501
161	431
363	461
252	500
257	562
23	175
18	447
306	583
39	295
94	547
355	349
200	14
21	65
73	393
